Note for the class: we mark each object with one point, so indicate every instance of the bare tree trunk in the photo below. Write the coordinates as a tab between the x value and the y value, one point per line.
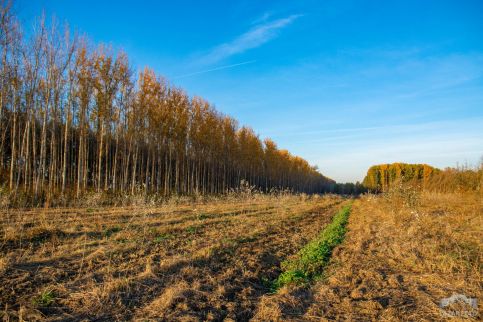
64	157
114	169
14	145
99	158
134	167
80	159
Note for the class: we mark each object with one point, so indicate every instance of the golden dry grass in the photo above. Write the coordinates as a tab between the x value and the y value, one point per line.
175	262
402	254
396	263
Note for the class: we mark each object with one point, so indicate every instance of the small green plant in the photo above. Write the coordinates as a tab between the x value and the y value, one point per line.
192	229
293	276
44	299
267	283
162	237
312	259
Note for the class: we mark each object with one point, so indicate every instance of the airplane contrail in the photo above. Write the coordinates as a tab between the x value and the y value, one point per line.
215	69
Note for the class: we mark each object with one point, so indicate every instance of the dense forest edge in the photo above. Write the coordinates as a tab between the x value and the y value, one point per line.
76	120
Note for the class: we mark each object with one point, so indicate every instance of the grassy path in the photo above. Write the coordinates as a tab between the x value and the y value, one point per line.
313	257
397	263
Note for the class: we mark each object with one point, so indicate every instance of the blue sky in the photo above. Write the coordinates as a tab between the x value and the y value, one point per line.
343	84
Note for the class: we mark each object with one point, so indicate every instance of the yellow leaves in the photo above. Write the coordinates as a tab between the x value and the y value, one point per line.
381	177
119	132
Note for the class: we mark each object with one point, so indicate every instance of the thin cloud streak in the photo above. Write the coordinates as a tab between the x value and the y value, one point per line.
253	38
403	127
215	69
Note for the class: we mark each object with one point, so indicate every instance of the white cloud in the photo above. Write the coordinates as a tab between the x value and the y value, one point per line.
253	38
215	69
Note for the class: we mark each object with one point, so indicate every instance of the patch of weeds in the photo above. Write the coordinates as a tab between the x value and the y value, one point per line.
90	210
192	229
203	216
163	237
268	284
44	299
108	232
314	257
292	276
123	241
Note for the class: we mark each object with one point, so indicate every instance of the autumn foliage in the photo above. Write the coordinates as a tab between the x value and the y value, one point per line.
77	119
459	179
382	177
424	177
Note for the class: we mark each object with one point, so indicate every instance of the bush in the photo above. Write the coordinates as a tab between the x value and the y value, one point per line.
403	195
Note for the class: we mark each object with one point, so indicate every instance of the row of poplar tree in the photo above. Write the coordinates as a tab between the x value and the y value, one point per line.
76	118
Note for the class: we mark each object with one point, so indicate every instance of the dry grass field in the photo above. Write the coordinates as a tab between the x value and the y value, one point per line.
216	261
398	260
191	262
131	192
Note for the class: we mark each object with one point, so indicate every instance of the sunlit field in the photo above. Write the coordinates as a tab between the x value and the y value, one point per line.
192	261
222	259
241	160
397	263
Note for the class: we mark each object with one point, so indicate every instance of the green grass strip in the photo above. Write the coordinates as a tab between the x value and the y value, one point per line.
311	260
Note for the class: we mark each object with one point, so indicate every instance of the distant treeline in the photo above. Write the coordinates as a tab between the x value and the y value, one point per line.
74	118
348	188
461	179
382	177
